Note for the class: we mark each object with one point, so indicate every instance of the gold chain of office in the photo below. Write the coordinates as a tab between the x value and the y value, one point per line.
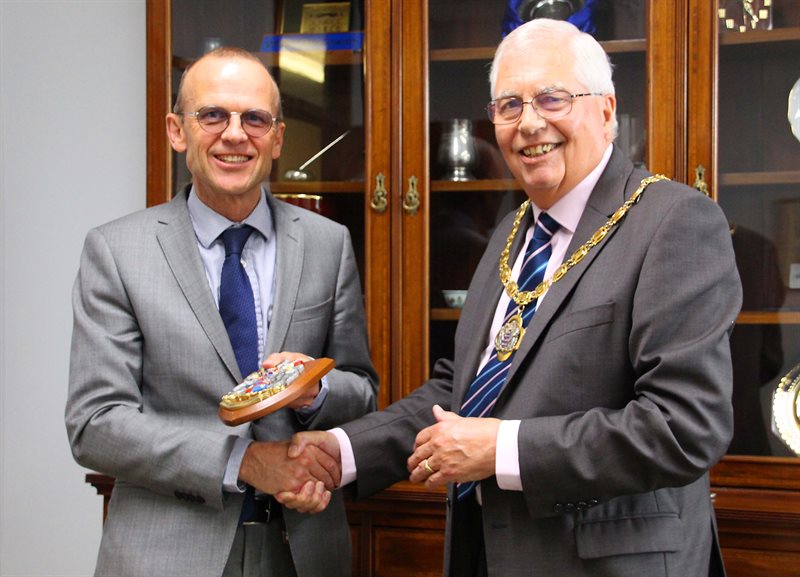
509	337
524	298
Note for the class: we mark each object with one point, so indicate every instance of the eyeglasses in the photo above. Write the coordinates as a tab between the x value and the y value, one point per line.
548	105
215	119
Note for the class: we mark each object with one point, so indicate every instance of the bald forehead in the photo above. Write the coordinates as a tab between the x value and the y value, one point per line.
230	75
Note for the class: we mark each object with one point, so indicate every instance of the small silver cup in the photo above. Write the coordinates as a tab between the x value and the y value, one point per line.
457	152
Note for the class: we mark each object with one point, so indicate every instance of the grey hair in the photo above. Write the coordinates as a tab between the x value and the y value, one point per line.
593	68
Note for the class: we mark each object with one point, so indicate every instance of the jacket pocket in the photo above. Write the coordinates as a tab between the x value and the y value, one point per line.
583	319
650	534
314	311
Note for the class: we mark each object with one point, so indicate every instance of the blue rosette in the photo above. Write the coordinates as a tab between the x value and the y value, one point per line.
518	12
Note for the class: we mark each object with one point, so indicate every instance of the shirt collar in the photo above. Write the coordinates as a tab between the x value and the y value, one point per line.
568	209
208	225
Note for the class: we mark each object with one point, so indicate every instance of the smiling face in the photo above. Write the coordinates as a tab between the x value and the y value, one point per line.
550	157
227	168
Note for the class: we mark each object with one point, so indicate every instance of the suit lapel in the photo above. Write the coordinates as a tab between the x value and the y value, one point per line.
488	289
288	271
608	195
179	244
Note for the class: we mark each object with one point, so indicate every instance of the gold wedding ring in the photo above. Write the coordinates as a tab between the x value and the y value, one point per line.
427	467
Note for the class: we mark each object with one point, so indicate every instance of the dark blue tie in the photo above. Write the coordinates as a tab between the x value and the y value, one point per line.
236	304
482	393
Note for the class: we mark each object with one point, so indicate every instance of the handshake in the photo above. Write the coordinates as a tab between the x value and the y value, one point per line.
300	474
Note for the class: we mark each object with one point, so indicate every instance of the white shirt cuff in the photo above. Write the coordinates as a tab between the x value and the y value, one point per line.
346	455
507	457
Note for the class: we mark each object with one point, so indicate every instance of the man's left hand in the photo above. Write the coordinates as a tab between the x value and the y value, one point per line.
310	394
313	498
455	449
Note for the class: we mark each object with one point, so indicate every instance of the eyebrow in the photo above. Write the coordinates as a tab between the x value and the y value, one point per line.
544	90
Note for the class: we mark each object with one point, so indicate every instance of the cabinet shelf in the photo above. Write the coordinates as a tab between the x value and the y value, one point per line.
272	59
317	187
328	57
768	318
444	314
759	178
487	52
759	36
474	185
745	317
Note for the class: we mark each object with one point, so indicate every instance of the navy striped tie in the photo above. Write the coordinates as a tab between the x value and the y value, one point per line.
482	393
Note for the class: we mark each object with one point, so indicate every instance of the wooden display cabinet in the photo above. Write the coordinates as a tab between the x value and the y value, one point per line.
698	103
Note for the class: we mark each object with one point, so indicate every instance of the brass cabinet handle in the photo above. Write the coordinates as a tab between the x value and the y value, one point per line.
700	179
411	199
379	200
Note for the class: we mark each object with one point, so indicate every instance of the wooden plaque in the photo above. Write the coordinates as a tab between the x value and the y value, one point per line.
313	371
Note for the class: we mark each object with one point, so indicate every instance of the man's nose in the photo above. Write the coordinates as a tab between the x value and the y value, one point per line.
530	121
235	129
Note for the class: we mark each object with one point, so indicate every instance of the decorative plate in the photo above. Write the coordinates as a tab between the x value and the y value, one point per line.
267	390
794	109
786	409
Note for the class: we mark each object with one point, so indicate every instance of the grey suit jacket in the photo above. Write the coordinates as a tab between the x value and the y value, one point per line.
150	361
622	385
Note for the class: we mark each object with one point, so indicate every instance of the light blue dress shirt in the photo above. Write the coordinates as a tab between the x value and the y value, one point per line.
258	260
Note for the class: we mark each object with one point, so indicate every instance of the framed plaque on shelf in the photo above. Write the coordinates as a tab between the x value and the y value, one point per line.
315	17
322	18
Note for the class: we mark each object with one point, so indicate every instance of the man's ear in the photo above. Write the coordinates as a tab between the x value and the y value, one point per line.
278	144
175	133
609	107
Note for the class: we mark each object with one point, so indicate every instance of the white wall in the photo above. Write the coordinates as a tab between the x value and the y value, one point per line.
72	129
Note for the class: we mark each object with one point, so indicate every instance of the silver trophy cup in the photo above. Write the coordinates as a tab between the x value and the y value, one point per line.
457	151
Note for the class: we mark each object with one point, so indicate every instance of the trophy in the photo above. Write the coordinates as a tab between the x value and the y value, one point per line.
300	173
555	9
457	152
744	15
581	13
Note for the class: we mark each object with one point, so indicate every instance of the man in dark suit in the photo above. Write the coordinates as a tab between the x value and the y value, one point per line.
576	441
151	356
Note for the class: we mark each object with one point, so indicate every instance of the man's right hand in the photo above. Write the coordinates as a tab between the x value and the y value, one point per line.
313	497
323	440
268	467
307	447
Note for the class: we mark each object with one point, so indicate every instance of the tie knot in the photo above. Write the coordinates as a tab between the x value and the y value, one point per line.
235	238
545	227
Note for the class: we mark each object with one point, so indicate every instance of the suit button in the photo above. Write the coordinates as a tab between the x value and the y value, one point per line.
593	502
558	508
569	508
582	505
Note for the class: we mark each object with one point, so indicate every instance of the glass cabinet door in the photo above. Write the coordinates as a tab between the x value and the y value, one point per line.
758	187
331	60
471	189
315	53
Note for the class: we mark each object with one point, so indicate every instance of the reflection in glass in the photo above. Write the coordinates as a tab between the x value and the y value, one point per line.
756	349
758	187
322	93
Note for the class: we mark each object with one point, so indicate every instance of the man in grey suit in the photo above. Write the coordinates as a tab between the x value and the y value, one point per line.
596	425
151	357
